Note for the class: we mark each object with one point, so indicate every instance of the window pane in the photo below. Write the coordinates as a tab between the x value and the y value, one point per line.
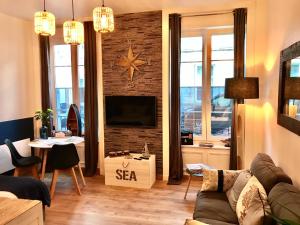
191	85
63	77
63	94
63	102
222	47
191	49
221	68
62	55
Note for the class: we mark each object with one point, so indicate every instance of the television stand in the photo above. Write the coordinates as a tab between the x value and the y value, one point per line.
120	171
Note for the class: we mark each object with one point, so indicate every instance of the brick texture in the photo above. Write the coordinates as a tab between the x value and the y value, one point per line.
143	31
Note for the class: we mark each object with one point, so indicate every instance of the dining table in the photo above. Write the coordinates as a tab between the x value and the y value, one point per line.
45	145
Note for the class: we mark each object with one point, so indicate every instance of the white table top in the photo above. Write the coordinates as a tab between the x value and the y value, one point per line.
48	143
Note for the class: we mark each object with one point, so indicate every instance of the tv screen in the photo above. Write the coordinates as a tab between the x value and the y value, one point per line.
136	111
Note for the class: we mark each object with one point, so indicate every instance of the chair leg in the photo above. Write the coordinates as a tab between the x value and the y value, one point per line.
53	183
81	175
75	180
35	172
16	172
187	188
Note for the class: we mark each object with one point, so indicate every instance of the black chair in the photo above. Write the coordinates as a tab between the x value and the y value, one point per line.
21	162
65	158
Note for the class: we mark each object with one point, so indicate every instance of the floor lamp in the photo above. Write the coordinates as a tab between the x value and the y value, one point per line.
240	89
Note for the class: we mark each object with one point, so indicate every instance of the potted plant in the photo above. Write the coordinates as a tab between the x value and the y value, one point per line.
45	117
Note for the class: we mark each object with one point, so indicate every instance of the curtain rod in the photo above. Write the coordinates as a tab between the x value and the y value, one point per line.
208	14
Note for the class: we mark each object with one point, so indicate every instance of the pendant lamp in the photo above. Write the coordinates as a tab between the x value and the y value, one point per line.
73	31
44	22
103	19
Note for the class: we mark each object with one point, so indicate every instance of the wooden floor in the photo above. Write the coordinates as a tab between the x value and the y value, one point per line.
109	205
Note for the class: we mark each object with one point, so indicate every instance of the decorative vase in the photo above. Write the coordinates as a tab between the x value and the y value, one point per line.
44	132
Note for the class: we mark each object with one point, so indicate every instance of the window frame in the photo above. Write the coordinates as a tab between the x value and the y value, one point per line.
206	35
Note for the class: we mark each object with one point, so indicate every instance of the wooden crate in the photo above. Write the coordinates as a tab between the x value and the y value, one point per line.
21	212
130	172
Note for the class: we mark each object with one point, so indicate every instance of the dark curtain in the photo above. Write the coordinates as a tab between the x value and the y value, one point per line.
175	164
90	100
45	71
240	20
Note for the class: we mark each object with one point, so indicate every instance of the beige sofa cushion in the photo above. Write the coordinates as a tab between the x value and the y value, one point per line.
234	192
252	203
218	180
6	194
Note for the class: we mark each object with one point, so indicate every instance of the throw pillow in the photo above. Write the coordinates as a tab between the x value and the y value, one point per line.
234	192
218	180
194	222
252	203
5	194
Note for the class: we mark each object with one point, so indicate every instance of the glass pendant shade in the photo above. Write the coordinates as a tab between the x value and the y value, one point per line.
73	32
103	19
44	23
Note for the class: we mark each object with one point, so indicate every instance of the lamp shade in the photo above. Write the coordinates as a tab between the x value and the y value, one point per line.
73	32
242	88
103	19
44	23
292	88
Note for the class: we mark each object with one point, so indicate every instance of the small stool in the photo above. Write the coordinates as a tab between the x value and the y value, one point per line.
194	170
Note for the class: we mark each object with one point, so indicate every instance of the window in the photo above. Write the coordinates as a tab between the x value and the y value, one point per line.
68	82
206	60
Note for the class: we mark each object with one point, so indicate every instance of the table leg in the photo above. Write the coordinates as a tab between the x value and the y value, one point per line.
45	153
187	188
41	153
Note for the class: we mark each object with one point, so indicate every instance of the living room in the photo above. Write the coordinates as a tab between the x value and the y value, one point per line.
136	60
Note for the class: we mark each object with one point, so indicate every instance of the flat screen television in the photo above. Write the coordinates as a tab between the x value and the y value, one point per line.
130	111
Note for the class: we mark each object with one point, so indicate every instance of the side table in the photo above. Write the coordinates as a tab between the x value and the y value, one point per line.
194	170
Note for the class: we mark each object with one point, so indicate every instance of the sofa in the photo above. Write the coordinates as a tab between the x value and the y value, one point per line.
213	207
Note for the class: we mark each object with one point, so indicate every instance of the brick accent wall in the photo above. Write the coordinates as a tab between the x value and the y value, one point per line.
143	31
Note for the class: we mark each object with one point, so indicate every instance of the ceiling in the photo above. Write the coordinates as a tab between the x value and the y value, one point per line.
83	8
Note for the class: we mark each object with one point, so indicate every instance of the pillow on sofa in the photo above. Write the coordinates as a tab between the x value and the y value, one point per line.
252	203
194	222
267	173
234	192
218	180
6	194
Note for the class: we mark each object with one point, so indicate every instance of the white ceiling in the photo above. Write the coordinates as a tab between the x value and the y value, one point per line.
83	8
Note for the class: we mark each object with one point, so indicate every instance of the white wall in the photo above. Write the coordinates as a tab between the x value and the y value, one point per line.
283	30
19	69
19	77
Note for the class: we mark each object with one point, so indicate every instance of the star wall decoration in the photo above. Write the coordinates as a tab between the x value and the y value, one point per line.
131	63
